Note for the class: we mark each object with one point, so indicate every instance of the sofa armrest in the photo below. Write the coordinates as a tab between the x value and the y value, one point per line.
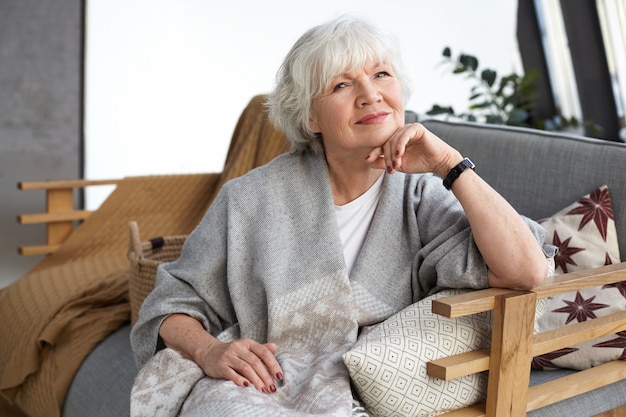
514	344
60	215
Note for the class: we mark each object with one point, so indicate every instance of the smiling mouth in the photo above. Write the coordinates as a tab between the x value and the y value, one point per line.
373	118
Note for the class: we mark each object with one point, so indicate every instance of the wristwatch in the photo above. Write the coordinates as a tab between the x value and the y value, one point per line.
456	172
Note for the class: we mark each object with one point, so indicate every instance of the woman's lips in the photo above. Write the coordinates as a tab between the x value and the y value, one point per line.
372	118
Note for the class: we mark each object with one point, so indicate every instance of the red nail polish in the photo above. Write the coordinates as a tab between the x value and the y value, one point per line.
279	376
389	169
264	390
273	388
246	384
394	164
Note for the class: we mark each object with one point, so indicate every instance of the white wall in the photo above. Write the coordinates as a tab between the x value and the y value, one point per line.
167	79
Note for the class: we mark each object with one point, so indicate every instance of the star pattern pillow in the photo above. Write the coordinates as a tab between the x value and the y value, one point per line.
387	365
586	236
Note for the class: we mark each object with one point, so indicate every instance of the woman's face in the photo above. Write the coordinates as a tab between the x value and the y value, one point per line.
359	111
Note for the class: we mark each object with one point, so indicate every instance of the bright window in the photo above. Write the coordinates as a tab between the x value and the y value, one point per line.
612	15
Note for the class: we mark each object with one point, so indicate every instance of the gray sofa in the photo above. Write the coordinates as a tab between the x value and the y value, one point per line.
538	172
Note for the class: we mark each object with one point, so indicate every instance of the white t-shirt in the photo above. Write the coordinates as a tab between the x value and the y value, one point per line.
354	219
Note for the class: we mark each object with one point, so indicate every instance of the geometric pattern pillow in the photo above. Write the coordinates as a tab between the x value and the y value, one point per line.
586	236
388	363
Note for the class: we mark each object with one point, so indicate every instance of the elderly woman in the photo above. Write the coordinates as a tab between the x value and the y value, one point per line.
355	224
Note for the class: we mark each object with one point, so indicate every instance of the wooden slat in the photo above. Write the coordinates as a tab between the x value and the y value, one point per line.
53	217
477	410
59	200
483	300
574	384
37	249
468	303
468	363
47	185
578	280
460	365
511	346
60	217
576	333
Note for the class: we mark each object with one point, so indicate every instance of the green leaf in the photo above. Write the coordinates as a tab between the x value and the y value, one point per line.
596	128
517	117
437	110
469	61
488	76
447	52
494	119
483	105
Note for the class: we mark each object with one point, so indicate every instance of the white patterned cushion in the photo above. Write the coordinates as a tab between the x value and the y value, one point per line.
388	363
586	236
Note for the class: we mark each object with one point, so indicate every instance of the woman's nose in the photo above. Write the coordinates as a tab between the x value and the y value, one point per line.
368	94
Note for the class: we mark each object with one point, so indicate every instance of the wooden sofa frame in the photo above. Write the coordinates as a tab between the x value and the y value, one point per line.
60	216
513	342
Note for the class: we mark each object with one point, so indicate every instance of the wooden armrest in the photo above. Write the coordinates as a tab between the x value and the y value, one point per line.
514	344
588	278
483	300
60	216
472	302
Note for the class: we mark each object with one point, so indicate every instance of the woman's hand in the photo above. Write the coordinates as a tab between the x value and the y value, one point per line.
414	149
514	258
243	361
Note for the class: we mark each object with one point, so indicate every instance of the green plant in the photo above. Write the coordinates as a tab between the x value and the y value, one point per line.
508	100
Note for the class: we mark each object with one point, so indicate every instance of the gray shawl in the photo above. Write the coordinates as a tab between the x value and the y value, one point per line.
266	263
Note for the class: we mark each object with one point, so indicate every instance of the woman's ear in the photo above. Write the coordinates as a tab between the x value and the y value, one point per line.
313	126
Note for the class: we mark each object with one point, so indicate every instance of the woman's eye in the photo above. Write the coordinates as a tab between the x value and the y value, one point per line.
339	86
382	74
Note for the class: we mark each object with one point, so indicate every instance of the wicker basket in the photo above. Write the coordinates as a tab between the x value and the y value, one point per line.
144	259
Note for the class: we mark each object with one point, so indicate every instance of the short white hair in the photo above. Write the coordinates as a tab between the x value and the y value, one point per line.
321	54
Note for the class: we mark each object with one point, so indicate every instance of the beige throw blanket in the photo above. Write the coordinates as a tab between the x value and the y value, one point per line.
57	313
60	310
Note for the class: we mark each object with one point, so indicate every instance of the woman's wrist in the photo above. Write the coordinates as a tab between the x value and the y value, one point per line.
447	164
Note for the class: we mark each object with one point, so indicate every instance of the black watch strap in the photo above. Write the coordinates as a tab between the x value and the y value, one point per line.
456	172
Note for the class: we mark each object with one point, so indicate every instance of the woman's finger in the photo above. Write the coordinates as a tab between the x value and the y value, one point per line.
246	362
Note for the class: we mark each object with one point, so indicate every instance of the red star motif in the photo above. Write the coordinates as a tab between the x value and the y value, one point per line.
565	253
596	207
620	286
618	342
580	309
544	362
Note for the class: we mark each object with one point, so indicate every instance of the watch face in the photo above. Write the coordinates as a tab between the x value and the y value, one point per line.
468	162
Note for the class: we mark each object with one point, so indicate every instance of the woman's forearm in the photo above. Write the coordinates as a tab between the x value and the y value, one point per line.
511	251
186	335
